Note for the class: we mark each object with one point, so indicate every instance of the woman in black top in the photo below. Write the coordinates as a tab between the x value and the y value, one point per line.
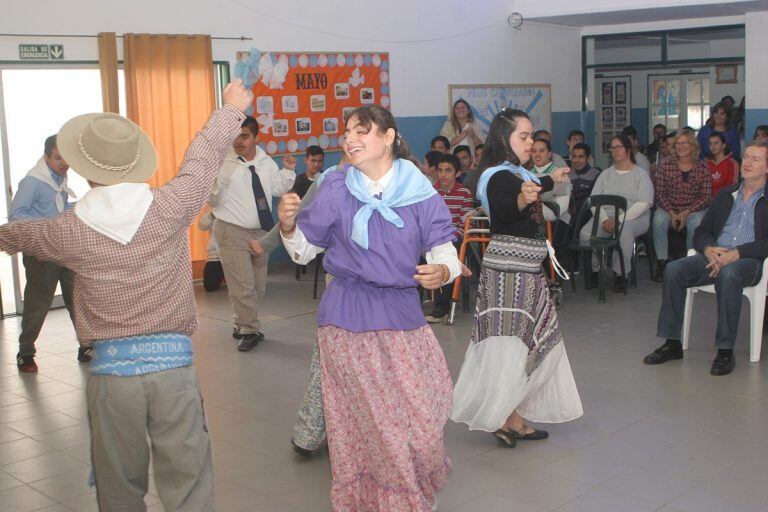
516	366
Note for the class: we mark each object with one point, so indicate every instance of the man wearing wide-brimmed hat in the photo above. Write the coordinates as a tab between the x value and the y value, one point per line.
133	300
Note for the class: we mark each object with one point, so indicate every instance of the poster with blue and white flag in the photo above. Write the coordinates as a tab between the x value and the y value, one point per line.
487	100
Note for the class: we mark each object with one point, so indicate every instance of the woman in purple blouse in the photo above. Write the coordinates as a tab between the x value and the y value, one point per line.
386	386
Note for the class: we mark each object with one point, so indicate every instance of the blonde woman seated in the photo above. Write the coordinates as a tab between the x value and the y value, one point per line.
683	192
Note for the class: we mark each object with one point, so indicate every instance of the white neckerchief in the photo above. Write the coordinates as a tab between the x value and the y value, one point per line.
42	172
378	186
116	211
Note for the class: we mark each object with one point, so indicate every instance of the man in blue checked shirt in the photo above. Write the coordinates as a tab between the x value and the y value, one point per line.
43	193
731	242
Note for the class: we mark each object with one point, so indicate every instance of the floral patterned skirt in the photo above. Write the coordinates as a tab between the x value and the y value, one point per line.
387	396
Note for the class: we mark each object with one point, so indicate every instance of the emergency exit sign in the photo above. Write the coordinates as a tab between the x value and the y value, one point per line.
41	51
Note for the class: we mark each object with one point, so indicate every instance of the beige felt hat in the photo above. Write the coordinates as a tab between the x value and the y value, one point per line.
107	149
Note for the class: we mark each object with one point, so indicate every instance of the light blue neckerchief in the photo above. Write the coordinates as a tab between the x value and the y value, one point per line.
482	183
320	177
408	186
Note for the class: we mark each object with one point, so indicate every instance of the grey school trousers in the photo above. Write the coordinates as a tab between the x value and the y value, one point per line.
246	273
165	407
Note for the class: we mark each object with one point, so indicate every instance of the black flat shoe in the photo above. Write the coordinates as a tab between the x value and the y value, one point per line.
536	435
506	439
723	364
667	352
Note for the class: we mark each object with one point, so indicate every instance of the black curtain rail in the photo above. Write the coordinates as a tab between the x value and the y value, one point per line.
240	38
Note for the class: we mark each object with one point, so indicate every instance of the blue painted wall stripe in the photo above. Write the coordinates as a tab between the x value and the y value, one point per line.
754	117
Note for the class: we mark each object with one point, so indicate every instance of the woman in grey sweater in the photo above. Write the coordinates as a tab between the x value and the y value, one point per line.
624	178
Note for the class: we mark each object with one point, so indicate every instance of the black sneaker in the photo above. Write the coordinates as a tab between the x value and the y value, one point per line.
85	354
435	317
671	349
249	341
724	363
236	333
26	364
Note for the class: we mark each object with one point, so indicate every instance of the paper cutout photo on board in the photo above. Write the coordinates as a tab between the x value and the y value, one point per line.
303	125
366	96
317	103
290	104
280	128
330	125
341	91
265	104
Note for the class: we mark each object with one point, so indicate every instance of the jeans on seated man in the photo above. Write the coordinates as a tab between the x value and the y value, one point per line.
731	242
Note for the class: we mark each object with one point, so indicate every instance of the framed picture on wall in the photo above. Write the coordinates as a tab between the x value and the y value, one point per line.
608	93
487	100
607	117
621	93
606	142
621	117
726	74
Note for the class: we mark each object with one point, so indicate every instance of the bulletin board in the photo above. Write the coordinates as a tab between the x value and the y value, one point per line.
487	100
301	99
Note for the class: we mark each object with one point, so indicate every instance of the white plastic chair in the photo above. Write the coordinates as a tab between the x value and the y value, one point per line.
756	296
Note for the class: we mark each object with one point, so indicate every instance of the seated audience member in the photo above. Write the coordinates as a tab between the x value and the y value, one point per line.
461	128
722	166
464	154
478	155
761	133
665	145
541	154
213	273
731	243
683	192
429	167
627	179
574	137
721	122
558	160
728	101
652	149
472	176
459	201
640	159
314	160
440	143
583	178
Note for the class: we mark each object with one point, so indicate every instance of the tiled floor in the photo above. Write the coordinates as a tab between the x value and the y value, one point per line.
666	438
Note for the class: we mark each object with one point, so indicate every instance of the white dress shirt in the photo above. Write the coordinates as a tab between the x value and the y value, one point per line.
302	252
232	195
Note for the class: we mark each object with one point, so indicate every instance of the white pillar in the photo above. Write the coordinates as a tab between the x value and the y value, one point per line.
756	72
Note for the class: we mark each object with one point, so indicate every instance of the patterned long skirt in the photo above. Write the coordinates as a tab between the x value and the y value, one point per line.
516	359
387	396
